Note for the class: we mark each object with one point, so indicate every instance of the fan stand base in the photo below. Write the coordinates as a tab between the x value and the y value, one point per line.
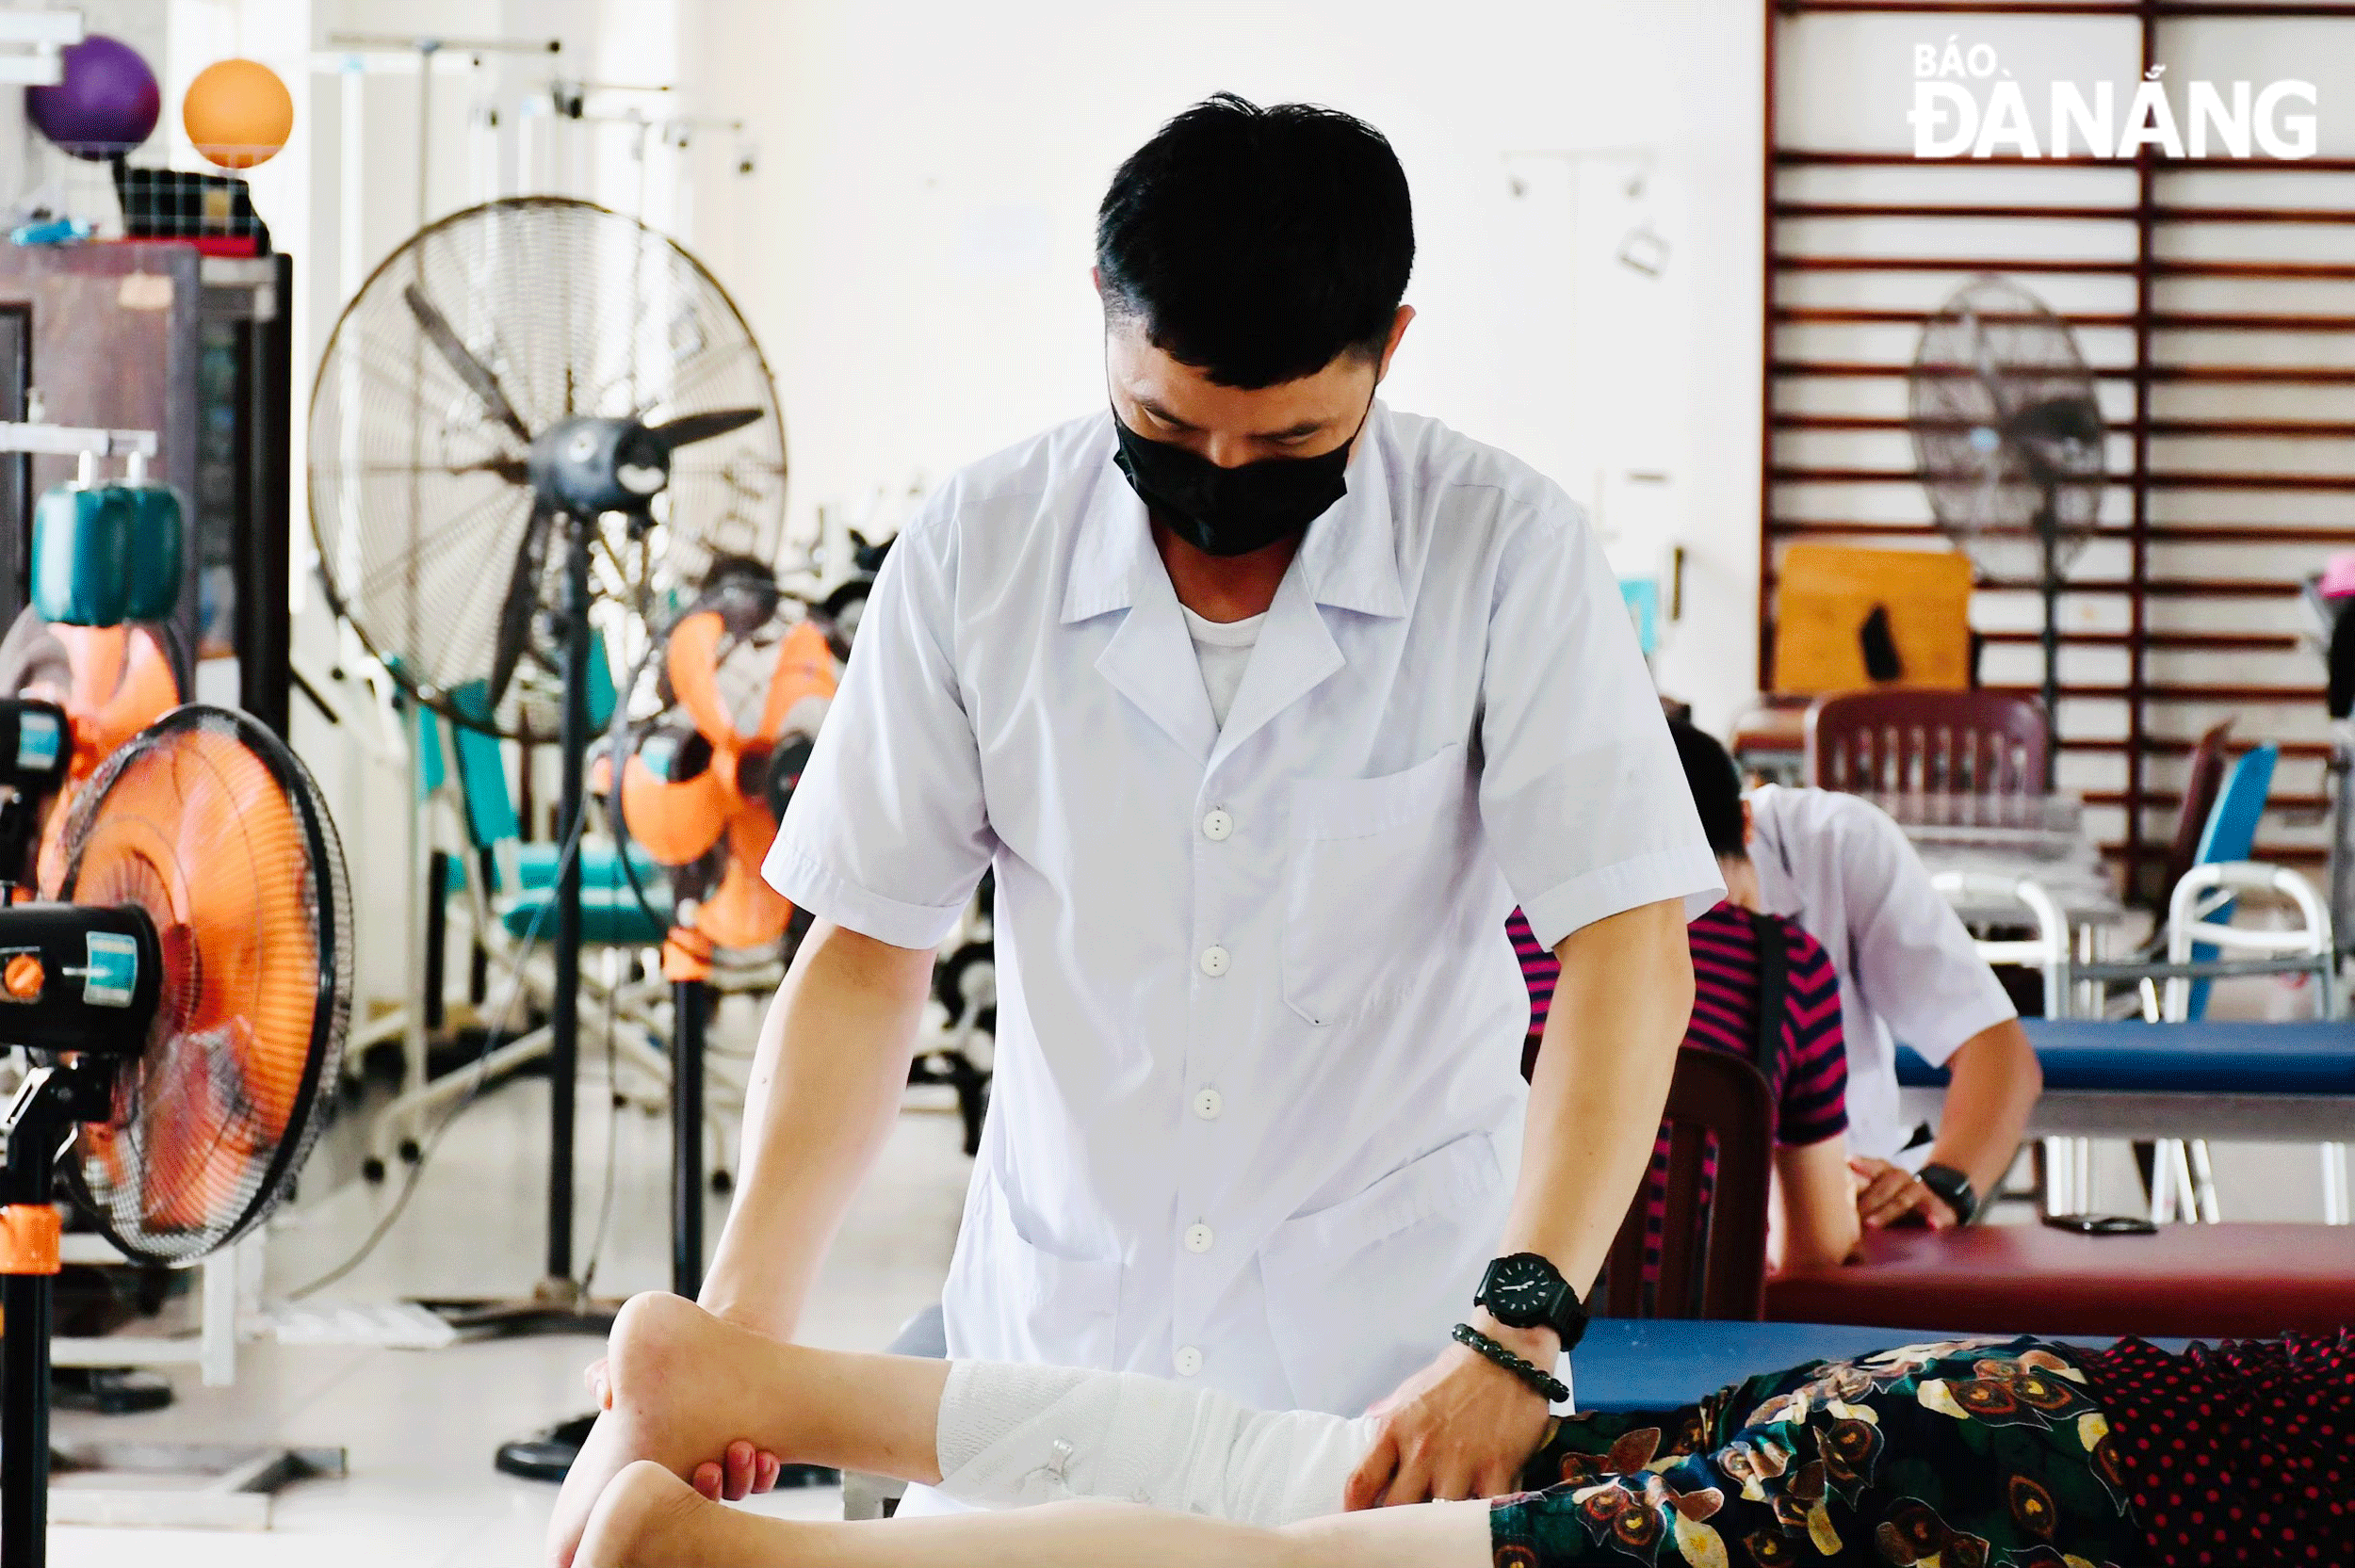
215	1486
547	1456
554	1306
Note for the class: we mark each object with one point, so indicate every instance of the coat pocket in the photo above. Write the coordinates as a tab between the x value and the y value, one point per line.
1013	1297
1368	860
1362	1294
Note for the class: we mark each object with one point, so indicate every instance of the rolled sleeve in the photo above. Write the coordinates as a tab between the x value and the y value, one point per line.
1581	797
887	834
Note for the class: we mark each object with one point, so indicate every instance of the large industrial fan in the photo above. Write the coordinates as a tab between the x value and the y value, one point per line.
185	1001
534	430
2009	439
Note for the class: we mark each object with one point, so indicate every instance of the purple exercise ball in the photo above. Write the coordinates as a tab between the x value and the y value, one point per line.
106	105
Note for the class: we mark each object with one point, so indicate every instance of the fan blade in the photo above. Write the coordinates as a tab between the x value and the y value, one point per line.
514	625
470	371
687	428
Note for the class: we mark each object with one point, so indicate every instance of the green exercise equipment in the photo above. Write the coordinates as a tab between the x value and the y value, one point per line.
107	553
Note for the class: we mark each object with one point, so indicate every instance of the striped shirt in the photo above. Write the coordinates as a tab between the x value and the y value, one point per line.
1810	1081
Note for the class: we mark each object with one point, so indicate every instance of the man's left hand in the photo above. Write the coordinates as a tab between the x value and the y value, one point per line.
1891	1195
1462	1427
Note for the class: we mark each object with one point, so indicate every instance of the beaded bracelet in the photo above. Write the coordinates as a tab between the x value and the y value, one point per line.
1529	1372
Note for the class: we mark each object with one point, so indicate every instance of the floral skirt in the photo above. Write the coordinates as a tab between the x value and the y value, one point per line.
1954	1455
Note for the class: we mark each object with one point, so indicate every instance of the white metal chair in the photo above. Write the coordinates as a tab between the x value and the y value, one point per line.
2183	1177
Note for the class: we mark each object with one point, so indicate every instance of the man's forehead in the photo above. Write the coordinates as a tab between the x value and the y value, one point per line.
1182	394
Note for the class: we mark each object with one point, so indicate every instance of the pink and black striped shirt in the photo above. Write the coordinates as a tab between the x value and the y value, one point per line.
1810	1080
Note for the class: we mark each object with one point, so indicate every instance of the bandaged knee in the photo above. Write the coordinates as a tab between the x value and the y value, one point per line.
1012	1435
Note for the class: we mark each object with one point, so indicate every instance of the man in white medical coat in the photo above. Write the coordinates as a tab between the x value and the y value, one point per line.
1267	704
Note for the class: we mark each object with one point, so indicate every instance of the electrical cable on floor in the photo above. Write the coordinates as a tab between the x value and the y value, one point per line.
495	1038
612	1136
499	1033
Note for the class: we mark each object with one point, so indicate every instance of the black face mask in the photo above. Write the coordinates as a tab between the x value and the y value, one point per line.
1231	511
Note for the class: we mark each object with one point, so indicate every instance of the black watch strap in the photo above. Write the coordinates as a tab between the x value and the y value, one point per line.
1569	1321
1955	1187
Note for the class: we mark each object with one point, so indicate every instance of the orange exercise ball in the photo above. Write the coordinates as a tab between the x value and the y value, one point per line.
237	113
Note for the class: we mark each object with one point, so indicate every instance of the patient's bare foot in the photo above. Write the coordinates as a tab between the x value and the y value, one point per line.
665	1355
644	1516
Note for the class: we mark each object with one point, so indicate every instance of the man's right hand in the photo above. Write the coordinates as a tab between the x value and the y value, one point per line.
736	1474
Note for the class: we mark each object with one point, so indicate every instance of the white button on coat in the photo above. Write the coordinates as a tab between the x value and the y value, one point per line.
1207	1104
1218	827
1188	1361
1199	1238
1214	961
1445	713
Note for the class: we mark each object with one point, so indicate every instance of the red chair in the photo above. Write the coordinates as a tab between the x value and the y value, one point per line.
2204	779
1902	739
1712	1235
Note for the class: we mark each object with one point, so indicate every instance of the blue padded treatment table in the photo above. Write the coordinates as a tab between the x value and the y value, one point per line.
2259	1083
1654	1363
1642	1364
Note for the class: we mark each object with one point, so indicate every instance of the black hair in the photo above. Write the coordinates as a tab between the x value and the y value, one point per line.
1259	245
1716	786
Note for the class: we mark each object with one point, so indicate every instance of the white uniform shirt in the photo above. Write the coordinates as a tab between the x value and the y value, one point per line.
1257	1105
1908	972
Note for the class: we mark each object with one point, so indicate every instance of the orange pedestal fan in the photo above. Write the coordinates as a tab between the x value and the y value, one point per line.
702	790
184	1001
111	682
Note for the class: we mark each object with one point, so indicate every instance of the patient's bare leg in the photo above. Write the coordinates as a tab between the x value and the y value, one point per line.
648	1518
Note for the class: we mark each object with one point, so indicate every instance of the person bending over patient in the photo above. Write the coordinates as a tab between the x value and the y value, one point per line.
2013	1451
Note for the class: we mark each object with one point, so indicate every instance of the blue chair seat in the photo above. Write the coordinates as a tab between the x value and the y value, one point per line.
2188	1059
608	917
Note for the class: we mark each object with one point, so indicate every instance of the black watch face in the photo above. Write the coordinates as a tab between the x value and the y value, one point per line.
1521	1291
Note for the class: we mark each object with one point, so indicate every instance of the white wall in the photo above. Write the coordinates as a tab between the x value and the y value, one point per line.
913	247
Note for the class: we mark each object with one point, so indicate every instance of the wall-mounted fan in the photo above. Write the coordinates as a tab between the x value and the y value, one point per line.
2009	439
185	1002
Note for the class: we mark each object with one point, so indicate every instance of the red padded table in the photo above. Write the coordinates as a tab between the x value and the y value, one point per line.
2207	1281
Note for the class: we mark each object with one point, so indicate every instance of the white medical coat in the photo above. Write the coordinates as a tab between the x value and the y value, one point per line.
1258	1111
1908	970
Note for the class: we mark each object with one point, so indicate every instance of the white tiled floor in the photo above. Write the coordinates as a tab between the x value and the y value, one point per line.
420	1427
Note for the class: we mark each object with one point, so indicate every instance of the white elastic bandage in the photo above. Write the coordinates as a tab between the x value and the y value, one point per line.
1011	1436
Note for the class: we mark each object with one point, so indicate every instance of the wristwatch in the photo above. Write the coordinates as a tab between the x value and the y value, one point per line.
1952	1185
1524	1291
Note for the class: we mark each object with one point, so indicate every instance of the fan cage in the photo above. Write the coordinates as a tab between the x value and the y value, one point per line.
419	505
1993	351
217	1191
